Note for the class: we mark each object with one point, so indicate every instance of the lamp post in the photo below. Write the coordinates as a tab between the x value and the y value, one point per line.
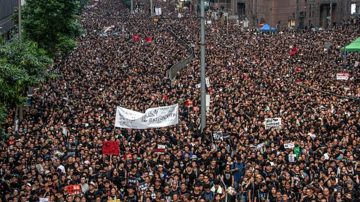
202	66
19	18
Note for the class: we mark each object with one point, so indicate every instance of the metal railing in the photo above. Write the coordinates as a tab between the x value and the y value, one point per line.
174	70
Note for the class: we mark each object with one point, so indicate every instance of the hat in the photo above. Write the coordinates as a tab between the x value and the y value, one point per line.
92	183
61	168
28	184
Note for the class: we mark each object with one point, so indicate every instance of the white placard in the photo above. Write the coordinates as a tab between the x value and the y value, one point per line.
259	146
291	158
289	145
356	64
218	135
152	118
43	199
207	103
207	82
272	123
342	76
312	135
157	11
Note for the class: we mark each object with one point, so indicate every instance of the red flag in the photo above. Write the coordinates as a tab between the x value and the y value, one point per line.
110	147
298	69
149	39
136	38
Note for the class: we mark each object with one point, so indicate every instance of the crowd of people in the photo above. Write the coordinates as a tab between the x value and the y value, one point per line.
312	156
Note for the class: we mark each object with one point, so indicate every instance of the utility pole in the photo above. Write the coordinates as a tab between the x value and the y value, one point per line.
202	63
18	107
132	6
151	8
19	18
330	13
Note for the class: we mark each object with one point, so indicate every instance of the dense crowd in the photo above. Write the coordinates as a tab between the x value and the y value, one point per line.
252	76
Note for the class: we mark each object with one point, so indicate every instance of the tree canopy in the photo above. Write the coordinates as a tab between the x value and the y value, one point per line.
53	24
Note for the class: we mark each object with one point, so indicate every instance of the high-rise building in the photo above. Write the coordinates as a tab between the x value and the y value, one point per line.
298	13
7	9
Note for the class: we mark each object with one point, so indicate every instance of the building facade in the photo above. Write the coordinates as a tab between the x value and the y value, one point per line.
297	13
7	9
357	6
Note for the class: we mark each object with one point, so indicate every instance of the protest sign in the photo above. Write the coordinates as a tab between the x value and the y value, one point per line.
143	186
207	82
289	145
312	135
272	123
342	76
110	148
160	148
152	118
291	158
219	135
73	189
293	51
158	11
259	146
136	38
149	39
188	103
43	199
207	102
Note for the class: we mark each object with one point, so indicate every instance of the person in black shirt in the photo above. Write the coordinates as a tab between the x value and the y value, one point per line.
131	195
309	197
228	176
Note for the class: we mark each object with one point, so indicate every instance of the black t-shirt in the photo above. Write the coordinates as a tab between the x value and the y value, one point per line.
272	198
190	177
309	199
168	196
228	178
197	196
133	198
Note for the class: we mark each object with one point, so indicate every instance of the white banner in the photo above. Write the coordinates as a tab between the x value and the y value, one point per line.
342	76
152	118
272	123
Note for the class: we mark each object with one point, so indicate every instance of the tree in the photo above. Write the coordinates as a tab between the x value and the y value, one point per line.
22	64
53	24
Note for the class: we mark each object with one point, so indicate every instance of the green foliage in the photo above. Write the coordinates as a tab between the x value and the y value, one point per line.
50	23
22	64
82	5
